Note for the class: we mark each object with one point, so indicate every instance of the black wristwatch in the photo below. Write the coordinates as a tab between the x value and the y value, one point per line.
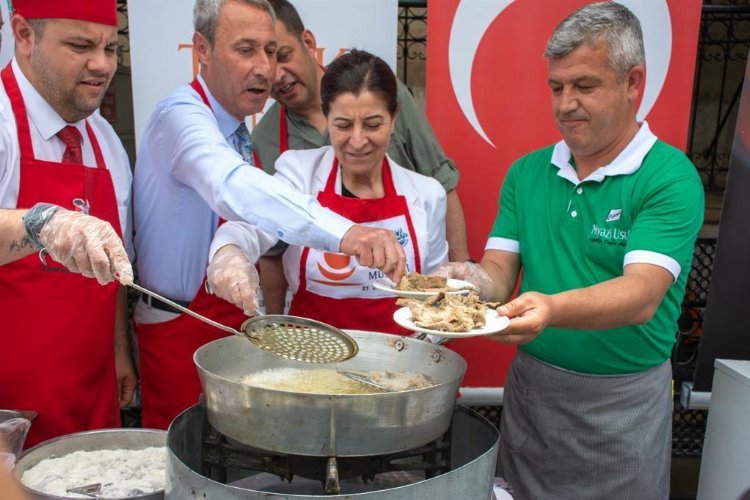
35	219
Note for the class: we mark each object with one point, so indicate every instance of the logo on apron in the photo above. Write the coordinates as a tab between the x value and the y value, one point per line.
335	268
339	276
82	205
402	236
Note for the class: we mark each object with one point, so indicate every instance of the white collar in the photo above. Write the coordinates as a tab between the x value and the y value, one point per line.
41	115
627	162
227	123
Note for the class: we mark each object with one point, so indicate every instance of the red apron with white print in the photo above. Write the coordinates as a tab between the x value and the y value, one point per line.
336	290
57	351
169	380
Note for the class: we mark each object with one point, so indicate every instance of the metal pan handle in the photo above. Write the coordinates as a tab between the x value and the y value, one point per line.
186	310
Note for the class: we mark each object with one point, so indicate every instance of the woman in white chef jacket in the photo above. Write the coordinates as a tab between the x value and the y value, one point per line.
355	178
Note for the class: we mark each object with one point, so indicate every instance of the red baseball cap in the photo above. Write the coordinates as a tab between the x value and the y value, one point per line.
95	11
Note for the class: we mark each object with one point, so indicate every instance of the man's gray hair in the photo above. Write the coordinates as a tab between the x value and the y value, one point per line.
597	22
206	14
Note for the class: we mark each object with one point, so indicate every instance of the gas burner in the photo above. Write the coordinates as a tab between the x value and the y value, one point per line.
221	454
268	483
202	463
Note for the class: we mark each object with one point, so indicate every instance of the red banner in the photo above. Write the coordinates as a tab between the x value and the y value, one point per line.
489	103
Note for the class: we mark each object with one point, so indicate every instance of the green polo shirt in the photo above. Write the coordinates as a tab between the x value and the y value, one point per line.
645	207
413	143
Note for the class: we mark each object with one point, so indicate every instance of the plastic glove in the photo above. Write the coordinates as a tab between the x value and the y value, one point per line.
86	245
233	277
13	434
469	271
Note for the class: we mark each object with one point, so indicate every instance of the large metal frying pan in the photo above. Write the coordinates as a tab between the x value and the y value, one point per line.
331	425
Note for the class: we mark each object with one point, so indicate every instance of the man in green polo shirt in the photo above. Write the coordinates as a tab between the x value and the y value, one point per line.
601	227
296	121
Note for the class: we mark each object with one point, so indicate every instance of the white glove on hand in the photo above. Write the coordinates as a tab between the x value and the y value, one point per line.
86	245
469	271
233	277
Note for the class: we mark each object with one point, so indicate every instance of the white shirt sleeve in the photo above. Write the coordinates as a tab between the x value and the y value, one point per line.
437	253
202	159
250	239
291	172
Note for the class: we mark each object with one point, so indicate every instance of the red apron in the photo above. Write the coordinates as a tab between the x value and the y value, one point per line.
333	288
57	354
169	380
283	137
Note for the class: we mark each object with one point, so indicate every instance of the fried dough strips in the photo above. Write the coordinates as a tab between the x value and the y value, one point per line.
448	313
416	282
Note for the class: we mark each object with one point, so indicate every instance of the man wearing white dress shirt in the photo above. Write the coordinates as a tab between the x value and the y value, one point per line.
64	336
193	169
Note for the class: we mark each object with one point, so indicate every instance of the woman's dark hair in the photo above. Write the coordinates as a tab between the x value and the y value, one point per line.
355	72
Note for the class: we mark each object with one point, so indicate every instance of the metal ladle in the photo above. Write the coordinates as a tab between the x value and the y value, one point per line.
90	490
364	379
292	337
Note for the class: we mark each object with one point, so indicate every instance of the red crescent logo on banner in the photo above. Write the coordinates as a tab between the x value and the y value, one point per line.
474	20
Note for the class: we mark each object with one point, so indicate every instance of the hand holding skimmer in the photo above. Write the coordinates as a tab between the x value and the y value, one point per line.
292	337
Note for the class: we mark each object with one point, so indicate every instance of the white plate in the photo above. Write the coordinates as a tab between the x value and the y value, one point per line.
386	285
494	323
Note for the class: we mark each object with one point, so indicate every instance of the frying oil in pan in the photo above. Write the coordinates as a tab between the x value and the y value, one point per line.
329	381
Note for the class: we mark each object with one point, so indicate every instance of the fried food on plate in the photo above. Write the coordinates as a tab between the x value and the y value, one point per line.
416	282
448	313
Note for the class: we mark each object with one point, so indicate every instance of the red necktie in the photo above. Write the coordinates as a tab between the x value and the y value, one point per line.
72	139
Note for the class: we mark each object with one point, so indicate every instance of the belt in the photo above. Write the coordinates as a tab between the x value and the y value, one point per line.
163	306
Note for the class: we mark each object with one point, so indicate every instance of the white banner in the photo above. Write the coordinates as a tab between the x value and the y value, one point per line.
6	52
161	41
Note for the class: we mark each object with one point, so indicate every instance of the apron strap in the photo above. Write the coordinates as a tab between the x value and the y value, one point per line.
256	159
95	146
19	110
199	88
283	132
388	188
331	182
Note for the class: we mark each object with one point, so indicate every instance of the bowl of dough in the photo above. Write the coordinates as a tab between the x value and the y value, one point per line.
112	464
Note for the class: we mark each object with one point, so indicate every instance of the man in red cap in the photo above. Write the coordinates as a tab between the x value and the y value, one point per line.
64	345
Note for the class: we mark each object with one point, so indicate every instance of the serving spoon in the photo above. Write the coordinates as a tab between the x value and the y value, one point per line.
364	379
90	490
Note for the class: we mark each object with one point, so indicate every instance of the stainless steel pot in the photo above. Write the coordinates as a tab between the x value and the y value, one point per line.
331	425
106	439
